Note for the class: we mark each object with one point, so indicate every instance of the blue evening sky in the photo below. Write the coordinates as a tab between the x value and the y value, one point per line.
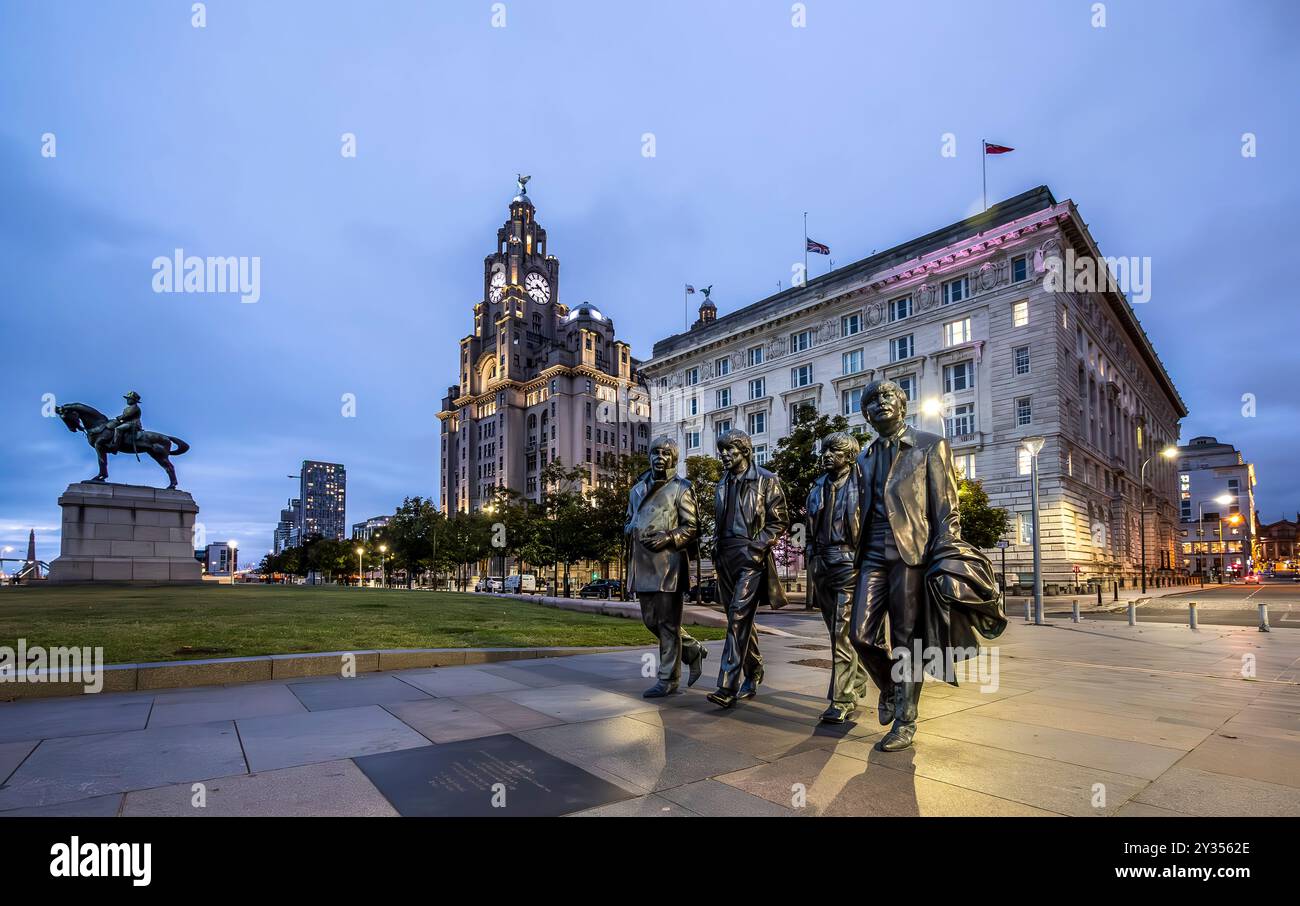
225	140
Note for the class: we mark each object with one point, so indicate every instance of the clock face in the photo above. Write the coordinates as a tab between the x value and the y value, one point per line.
538	288
498	281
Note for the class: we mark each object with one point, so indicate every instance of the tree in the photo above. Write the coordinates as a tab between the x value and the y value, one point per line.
704	473
795	460
468	538
981	525
567	521
609	513
407	535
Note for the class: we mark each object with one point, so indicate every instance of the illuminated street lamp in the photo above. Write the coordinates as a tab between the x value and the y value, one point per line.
360	576
383	558
231	547
1033	446
1169	452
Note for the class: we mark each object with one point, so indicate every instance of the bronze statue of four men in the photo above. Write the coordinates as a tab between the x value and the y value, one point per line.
901	594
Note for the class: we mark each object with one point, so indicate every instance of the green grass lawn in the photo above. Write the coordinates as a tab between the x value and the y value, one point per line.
167	624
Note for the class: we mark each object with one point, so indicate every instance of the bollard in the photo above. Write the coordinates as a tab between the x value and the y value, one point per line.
1263	618
1098	594
1132	613
1075	617
1191	616
1115	585
1029	610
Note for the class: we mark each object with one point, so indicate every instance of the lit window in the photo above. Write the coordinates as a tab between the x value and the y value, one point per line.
1024	462
1020	313
1026	528
965	464
962	420
956	332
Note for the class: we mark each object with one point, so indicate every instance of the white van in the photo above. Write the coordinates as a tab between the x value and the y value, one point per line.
521	584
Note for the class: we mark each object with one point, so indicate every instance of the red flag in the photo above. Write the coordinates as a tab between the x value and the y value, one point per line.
996	149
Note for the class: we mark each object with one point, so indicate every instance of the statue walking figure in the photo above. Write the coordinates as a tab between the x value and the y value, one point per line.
121	435
750	514
833	529
935	590
663	527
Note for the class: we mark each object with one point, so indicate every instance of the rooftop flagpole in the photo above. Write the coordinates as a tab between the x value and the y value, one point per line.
805	248
984	170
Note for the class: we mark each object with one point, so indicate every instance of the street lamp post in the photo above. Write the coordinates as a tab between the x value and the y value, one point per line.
383	569
360	574
1168	453
1034	445
231	549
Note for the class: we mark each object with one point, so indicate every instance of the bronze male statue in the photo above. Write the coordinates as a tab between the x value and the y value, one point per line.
121	435
914	569
831	552
750	515
663	525
124	427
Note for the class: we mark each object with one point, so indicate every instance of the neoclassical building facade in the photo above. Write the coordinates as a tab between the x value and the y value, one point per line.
989	353
538	383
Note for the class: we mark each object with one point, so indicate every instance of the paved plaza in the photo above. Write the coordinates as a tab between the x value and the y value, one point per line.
1094	719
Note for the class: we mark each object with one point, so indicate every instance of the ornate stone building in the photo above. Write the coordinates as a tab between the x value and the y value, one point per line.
989	353
1217	539
538	382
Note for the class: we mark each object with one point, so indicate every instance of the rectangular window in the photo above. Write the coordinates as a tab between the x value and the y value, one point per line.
960	376
1022	359
955	290
800	341
693	440
803	409
962	420
965	464
692	378
695	406
801	376
757	388
757	423
851	362
1026	528
851	324
1020	313
760	454
724	398
722	427
900	348
956	332
1024	412
852	401
755	355
908	385
1019	268
900	308
722	366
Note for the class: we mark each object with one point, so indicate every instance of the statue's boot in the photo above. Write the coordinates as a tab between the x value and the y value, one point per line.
878	667
749	688
659	690
907	697
696	666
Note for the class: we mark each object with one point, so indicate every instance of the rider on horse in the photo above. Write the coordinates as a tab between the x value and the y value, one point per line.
125	426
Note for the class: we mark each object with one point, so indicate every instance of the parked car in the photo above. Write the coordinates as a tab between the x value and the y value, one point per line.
489	583
601	588
706	591
521	584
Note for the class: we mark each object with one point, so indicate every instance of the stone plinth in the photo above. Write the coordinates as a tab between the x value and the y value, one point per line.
126	533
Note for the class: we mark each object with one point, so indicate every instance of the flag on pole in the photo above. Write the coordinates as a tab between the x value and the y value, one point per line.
990	148
690	289
816	247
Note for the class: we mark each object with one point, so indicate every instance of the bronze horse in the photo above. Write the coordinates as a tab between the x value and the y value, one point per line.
80	417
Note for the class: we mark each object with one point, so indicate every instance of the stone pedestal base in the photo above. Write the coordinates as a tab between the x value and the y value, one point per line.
126	533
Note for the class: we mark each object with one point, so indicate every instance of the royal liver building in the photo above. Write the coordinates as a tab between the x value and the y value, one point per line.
538	382
989	353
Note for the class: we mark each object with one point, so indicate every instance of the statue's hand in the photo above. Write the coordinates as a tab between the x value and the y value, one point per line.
657	541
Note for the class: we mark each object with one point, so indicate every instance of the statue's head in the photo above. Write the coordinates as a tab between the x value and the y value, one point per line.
884	405
736	450
838	452
663	454
131	397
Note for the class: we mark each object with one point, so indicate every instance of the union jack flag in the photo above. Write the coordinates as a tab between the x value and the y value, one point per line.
816	247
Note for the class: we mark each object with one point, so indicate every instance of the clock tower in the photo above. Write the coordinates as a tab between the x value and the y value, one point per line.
538	382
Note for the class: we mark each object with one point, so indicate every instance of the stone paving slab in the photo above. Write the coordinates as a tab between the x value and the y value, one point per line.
79	767
196	706
327	789
295	739
357	691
